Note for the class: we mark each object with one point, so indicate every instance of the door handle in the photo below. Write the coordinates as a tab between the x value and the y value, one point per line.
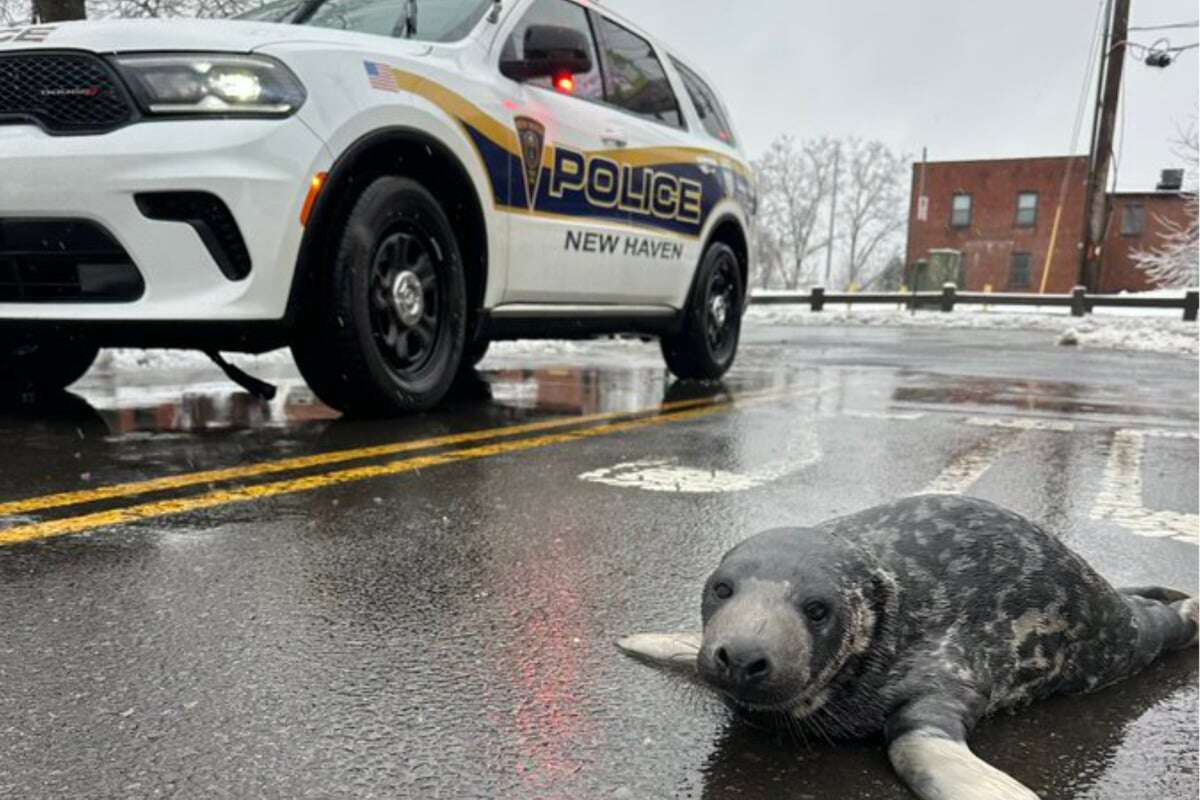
614	137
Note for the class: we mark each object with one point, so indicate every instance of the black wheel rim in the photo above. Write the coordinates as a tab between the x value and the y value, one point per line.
721	309
407	300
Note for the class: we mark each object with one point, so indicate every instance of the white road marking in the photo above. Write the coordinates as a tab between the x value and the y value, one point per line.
663	474
961	473
1167	433
902	416
1120	497
1022	424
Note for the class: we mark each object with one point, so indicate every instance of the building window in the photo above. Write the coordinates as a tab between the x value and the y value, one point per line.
960	211
1027	208
1133	219
1021	274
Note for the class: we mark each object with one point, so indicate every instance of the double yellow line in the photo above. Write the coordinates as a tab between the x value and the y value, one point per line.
614	422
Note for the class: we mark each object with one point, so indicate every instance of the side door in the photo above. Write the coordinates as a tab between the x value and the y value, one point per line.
566	230
671	183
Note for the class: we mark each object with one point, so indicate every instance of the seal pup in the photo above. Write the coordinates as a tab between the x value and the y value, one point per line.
914	620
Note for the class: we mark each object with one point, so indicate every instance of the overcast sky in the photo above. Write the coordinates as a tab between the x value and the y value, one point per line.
967	79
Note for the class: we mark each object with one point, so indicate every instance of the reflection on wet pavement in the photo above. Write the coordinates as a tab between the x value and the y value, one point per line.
448	632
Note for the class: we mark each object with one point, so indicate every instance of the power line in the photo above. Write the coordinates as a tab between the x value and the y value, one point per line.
1172	26
1097	45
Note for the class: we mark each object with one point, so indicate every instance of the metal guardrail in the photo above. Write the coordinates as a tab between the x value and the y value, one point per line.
1079	301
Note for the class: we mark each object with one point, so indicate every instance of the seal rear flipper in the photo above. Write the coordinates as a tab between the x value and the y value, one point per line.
939	768
673	651
1163	625
1160	593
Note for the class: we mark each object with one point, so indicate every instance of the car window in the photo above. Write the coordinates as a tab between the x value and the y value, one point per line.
637	80
712	116
562	14
426	20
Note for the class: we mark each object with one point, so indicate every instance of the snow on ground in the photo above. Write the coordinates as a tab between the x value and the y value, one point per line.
121	359
1155	331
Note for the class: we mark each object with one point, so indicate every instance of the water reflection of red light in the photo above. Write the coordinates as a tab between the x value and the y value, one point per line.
545	661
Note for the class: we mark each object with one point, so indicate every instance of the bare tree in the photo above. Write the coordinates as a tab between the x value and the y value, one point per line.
872	213
15	12
1175	262
172	8
794	181
768	254
22	12
891	277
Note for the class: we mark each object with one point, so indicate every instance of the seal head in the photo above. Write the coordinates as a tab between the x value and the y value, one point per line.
783	614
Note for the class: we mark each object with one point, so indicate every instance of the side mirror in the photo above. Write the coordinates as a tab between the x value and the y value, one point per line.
550	50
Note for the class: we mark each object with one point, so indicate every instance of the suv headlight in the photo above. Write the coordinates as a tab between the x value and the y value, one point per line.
218	84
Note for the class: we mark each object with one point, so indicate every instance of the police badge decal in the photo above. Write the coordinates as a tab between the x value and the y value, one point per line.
532	137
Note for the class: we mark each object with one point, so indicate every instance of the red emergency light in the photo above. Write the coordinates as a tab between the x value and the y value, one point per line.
565	82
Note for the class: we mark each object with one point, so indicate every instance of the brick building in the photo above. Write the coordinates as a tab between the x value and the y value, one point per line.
999	215
1136	222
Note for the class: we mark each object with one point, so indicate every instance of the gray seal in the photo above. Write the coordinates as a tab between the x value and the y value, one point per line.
915	620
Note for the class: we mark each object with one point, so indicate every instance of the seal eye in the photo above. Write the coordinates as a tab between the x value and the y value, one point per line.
816	610
723	591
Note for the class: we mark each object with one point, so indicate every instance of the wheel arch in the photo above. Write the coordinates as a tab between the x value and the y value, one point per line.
395	151
728	230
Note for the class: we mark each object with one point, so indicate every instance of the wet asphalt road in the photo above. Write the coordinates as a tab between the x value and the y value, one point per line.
446	630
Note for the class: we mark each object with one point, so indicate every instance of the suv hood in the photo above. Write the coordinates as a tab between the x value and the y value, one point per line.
131	35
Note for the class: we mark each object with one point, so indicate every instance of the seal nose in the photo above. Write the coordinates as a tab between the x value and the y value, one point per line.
745	663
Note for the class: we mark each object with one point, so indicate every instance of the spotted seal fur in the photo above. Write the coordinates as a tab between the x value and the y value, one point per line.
915	620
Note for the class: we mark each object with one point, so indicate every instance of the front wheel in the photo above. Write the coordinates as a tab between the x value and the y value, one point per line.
705	346
43	365
386	333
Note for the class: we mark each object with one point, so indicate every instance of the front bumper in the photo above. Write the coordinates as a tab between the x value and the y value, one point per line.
260	169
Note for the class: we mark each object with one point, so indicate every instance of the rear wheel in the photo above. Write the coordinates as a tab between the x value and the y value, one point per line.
43	364
387	333
704	348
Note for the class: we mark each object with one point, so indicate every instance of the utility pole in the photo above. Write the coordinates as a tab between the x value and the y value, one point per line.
1103	127
837	154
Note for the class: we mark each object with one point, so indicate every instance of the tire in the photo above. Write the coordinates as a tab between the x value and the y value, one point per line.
707	342
43	365
383	334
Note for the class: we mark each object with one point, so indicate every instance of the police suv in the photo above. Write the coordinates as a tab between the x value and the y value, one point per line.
385	186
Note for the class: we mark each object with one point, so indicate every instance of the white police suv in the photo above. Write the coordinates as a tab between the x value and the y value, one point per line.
385	186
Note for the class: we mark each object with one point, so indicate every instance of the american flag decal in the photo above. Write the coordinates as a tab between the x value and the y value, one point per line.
381	77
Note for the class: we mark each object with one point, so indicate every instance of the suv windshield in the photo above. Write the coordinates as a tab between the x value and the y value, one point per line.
426	20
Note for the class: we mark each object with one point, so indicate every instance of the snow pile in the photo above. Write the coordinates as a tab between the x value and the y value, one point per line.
121	359
1155	333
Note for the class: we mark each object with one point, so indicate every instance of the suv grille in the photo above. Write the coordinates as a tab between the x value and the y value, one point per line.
62	92
64	261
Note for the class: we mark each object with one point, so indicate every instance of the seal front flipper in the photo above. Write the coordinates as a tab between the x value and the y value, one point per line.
673	651
928	750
